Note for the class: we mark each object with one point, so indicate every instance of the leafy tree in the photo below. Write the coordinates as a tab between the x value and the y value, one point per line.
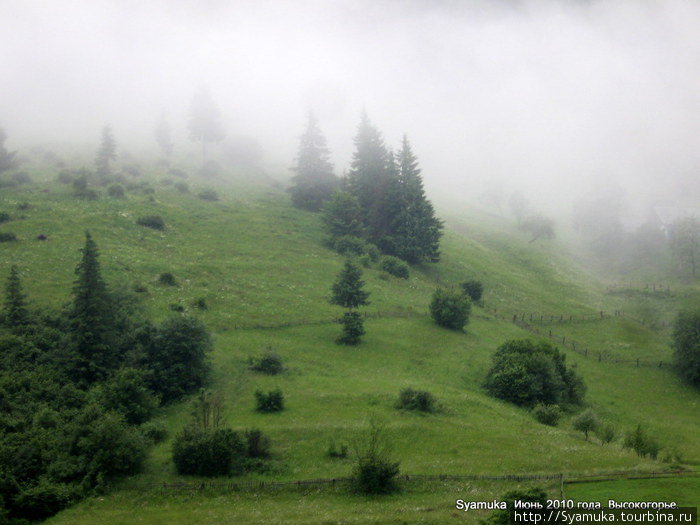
605	432
642	443
314	182
15	311
205	121
7	158
163	136
519	206
208	410
474	289
272	401
414	232
539	226
208	452
127	394
526	373
375	472
90	318
342	215
347	292
177	357
686	342
685	243
450	308
547	414
106	153
586	422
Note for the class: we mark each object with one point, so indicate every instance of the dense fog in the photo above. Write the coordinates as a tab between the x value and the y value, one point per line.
554	98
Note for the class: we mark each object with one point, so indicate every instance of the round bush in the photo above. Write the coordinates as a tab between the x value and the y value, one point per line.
208	195
167	279
349	244
7	237
4	216
182	187
270	363
208	452
419	400
474	289
450	309
272	401
116	191
547	414
394	266
151	221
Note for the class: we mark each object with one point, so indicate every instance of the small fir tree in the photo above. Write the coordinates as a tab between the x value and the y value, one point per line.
348	293
106	153
16	315
314	182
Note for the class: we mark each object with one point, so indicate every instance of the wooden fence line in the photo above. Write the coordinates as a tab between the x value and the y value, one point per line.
334	320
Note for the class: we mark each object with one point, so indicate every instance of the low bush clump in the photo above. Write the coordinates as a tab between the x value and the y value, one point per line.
272	401
337	451
175	307
22	178
374	472
182	187
349	245
7	237
419	400
269	363
394	266
208	195
154	431
4	216
474	289
257	444
605	432
116	191
642	443
200	303
450	309
547	414
167	279
208	452
151	221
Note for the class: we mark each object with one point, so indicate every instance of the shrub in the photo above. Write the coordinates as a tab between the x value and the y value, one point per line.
21	178
4	217
605	432
272	401
127	394
372	251
526	373
182	187
686	342
154	431
23	206
450	309
176	172
269	363
585	422
7	237
116	191
338	452
42	501
394	266
642	443
151	221
474	289
139	288
200	303
365	260
349	245
257	444
175	307
65	177
374	472
208	452
208	195
547	414
419	400
167	279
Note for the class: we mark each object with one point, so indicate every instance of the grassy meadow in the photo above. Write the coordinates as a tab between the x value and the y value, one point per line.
265	275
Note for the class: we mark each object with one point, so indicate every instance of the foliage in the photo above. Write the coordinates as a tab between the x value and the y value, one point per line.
272	401
155	222
4	217
106	153
167	279
349	245
394	266
450	309
586	422
176	355
337	451
208	452
547	414
374	472
474	289
685	243
205	121
353	328
116	191
7	159
342	215
7	237
605	432
15	311
642	443
526	373
208	411
505	516
208	195
182	187
257	444
126	393
419	400
539	226
154	431
268	363
686	343
347	290
314	182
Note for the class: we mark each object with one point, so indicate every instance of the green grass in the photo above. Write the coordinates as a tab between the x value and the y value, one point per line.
681	491
258	261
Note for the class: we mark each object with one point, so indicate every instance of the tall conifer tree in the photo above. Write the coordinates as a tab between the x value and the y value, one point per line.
16	315
314	181
348	293
106	153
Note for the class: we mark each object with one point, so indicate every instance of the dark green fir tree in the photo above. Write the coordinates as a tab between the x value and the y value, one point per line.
347	292
16	315
107	152
314	182
342	215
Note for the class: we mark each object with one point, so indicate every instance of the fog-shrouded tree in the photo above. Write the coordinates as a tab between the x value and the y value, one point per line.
539	226
347	292
342	215
686	342
685	243
7	158
164	137
314	182
15	311
519	206
205	121
106	153
414	231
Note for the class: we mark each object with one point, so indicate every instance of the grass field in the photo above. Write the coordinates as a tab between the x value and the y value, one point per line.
257	261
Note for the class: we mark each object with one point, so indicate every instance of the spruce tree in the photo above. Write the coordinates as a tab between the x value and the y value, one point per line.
369	178
342	215
91	319
348	293
414	231
314	181
163	137
7	158
106	153
16	315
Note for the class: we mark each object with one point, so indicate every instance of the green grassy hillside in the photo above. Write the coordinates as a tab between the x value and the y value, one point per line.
265	275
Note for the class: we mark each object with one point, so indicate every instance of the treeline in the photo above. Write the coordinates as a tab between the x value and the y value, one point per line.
78	388
381	200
